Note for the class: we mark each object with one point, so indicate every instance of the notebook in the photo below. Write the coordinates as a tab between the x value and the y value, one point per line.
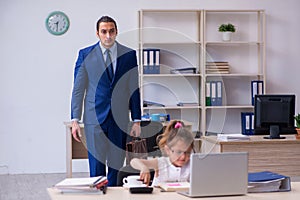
218	174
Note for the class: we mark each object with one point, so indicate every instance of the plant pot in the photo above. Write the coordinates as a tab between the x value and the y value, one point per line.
298	133
227	36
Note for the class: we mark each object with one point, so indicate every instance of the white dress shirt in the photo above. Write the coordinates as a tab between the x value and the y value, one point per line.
113	54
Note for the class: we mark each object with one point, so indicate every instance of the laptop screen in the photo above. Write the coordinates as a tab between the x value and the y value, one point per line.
218	174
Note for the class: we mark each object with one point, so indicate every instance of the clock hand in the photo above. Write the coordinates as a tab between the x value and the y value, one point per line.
56	23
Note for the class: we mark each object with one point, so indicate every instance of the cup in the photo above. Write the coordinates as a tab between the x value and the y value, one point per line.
132	181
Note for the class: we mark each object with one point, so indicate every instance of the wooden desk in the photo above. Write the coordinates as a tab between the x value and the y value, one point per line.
277	155
74	149
121	193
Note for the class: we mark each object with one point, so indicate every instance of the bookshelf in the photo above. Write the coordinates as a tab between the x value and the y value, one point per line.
190	38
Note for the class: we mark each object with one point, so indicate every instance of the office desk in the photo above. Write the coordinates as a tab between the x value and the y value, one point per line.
277	155
74	149
121	193
77	150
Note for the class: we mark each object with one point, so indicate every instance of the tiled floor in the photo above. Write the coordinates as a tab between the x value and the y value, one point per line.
30	186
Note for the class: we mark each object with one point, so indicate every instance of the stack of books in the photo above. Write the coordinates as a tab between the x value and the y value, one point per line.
217	67
83	185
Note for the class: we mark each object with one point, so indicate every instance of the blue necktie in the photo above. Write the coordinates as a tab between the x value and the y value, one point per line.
109	65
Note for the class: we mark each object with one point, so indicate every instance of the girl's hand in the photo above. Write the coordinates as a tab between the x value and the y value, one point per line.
146	177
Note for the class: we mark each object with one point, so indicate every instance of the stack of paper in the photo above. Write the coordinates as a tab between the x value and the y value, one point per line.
187	70
174	186
152	103
85	185
232	137
264	186
187	104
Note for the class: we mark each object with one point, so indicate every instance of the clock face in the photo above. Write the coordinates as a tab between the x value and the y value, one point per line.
57	23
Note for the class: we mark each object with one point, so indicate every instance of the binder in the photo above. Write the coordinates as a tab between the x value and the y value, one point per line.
156	61
145	57
146	69
267	181
213	93
247	119
207	95
151	61
252	124
257	87
89	185
219	93
151	57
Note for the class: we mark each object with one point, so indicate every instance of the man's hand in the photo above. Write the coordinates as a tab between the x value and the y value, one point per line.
135	129
76	131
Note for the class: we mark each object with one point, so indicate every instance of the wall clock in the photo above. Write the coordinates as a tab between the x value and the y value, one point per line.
57	23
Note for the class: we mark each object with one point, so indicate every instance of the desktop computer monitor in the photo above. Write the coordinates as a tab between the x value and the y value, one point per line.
274	115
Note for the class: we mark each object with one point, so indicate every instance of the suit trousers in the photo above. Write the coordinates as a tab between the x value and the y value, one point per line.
106	145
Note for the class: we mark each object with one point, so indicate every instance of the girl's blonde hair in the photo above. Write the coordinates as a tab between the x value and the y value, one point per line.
175	131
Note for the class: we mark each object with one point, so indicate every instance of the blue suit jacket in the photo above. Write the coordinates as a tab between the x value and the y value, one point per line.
100	95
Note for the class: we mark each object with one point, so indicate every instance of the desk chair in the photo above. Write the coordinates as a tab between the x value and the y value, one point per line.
127	171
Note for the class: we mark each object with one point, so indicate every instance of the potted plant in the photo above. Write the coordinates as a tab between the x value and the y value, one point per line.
227	30
297	119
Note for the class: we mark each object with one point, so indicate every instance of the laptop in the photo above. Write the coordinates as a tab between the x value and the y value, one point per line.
218	174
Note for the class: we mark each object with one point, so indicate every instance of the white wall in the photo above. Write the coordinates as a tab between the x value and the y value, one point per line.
36	72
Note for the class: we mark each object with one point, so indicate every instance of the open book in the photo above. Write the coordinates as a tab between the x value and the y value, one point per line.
174	186
85	185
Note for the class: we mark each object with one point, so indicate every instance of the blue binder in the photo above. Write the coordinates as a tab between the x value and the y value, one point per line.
213	93
247	119
151	61
219	92
257	87
262	182
216	93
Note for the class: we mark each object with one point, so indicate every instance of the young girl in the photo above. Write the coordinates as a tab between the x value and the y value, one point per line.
177	144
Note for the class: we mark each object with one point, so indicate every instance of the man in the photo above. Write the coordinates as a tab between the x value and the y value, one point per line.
106	82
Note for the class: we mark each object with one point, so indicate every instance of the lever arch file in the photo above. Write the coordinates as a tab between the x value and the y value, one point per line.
267	181
257	87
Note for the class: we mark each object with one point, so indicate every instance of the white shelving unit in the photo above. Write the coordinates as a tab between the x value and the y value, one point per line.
190	38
